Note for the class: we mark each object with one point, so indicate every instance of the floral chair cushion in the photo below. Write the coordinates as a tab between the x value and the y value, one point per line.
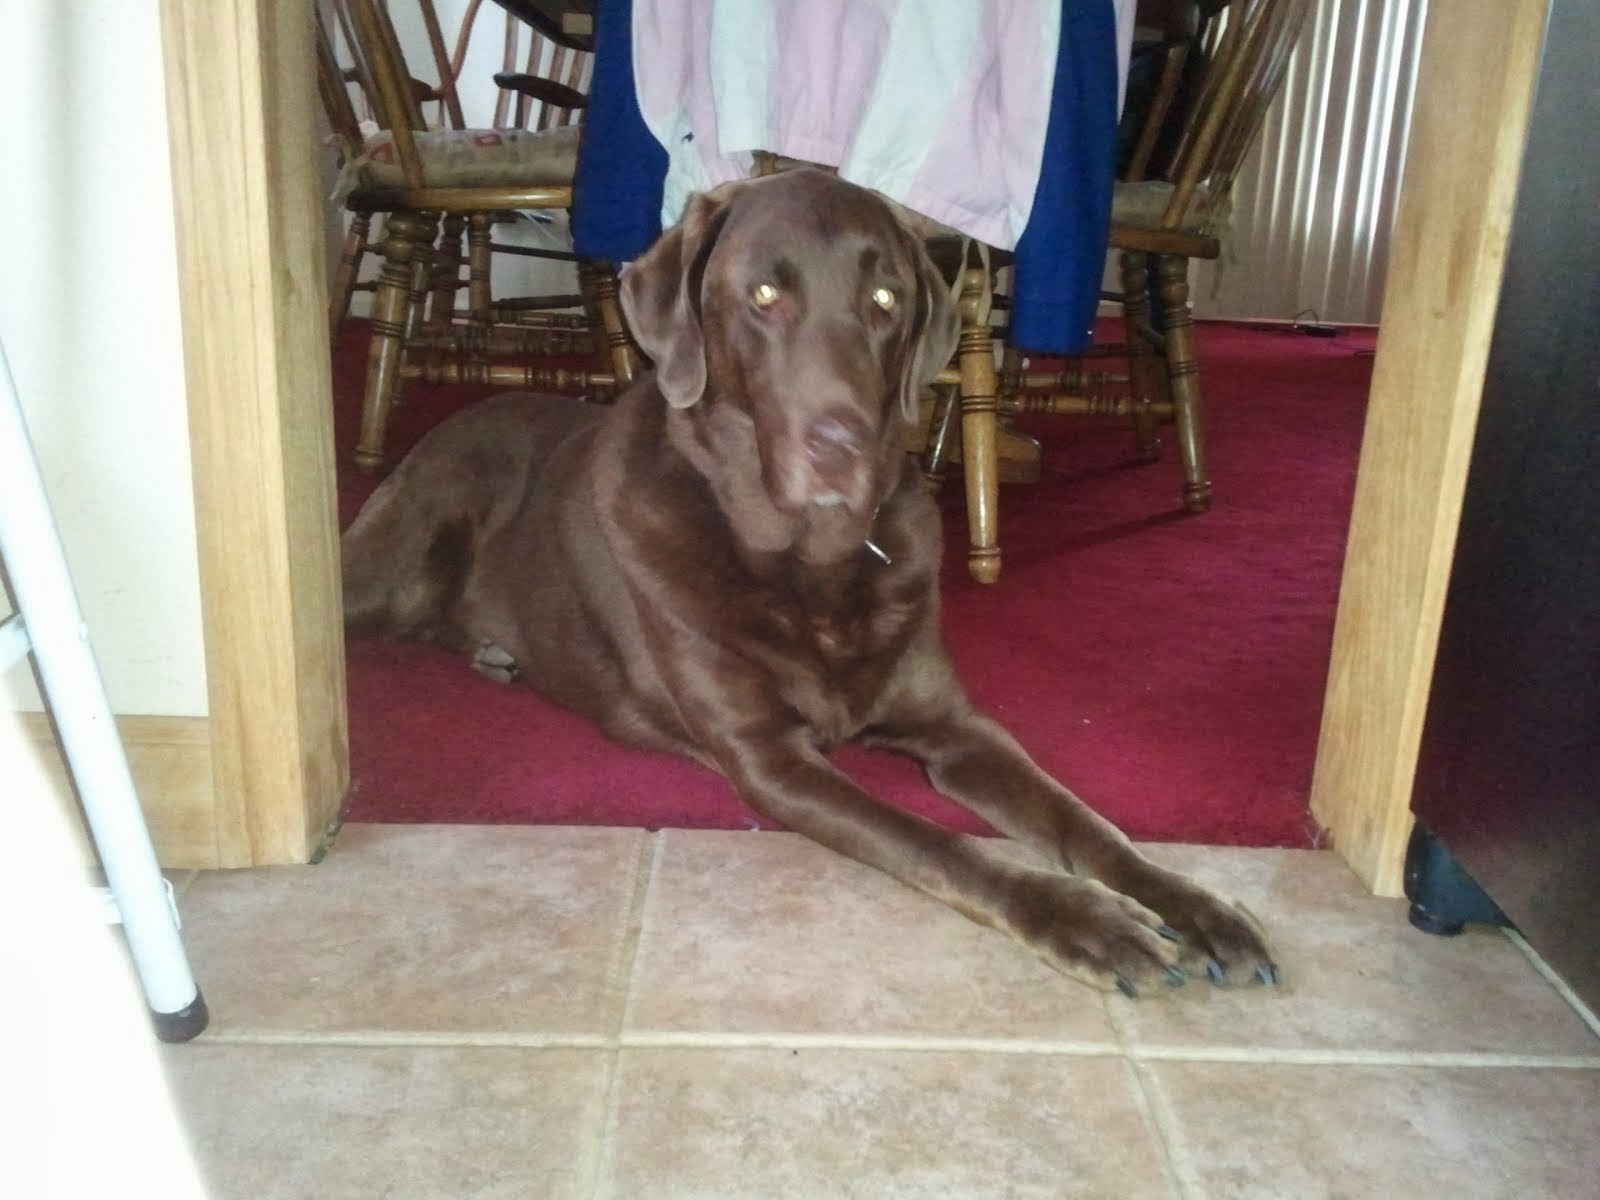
1144	203
478	158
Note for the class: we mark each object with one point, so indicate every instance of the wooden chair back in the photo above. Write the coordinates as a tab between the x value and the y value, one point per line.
380	69
333	89
1183	34
1246	69
543	83
568	68
337	24
444	68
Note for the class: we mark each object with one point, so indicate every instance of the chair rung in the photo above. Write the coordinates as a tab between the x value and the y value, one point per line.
523	307
534	252
1073	379
502	339
506	313
1076	404
1102	350
558	379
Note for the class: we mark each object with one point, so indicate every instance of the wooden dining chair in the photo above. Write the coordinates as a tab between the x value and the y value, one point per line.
1158	226
542	85
418	177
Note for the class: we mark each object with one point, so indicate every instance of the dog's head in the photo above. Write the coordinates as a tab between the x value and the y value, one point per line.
803	303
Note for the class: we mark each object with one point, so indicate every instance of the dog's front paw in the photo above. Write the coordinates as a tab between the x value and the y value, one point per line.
1219	937
1091	933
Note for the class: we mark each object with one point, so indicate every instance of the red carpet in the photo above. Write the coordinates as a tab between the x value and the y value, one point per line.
1168	668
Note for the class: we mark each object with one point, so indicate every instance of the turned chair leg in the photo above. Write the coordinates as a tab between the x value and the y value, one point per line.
479	294
1146	372
447	272
406	241
343	284
1183	376
980	466
614	348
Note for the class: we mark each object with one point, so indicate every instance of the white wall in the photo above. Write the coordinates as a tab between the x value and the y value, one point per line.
89	319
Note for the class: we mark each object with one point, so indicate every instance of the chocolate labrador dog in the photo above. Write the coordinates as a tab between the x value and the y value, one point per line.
738	562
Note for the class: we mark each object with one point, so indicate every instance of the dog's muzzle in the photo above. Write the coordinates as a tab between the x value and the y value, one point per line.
835	449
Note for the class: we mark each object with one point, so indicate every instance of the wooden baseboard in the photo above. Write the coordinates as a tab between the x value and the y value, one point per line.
170	760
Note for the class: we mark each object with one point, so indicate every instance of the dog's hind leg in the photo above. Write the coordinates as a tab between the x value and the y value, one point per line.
404	567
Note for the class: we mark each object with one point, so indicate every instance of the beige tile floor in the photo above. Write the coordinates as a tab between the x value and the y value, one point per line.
541	1012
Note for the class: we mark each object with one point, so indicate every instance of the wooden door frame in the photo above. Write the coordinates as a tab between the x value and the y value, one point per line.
250	233
241	117
1468	129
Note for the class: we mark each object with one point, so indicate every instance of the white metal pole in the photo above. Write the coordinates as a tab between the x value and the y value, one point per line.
48	606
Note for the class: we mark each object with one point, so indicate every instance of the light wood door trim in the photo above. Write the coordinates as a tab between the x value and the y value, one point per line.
240	109
1474	89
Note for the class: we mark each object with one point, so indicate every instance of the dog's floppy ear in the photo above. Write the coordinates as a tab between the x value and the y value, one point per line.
660	295
934	335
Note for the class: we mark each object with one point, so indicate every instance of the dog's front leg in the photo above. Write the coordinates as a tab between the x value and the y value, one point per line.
976	763
1078	925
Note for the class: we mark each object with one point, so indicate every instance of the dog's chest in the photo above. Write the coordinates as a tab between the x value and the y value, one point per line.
830	658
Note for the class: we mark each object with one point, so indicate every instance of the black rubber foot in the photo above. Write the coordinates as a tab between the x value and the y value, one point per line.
1443	896
187	1023
1433	923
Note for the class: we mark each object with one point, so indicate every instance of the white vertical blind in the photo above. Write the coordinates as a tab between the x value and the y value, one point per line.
1314	201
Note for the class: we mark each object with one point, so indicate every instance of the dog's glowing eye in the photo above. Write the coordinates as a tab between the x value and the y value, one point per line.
883	298
764	294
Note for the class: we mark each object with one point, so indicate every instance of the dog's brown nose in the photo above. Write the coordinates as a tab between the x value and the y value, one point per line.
833	444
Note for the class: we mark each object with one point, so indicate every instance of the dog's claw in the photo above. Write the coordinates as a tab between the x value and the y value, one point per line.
1269	974
1168	932
1177	976
1125	986
496	663
1217	972
491	655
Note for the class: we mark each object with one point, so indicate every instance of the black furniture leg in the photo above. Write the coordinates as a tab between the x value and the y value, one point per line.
1443	896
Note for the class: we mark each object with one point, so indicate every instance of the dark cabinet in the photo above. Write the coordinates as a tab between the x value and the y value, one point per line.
1508	777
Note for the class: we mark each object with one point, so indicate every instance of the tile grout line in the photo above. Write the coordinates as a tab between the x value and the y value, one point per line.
1153	1102
1181	1172
600	1164
1536	960
891	1043
1046	1047
424	1039
1311	1057
638	917
866	1043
